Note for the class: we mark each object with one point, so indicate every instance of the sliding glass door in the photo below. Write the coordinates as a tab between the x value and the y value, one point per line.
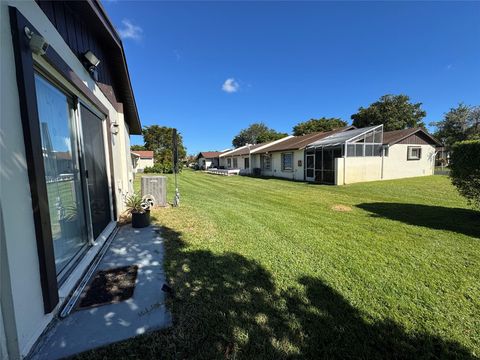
95	170
75	172
62	172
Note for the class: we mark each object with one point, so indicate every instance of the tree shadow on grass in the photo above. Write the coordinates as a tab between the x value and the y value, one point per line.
462	221
226	306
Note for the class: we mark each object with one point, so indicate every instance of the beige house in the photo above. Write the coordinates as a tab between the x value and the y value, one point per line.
341	156
369	154
142	159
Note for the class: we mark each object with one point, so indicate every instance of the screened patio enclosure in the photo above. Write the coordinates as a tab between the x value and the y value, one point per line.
320	155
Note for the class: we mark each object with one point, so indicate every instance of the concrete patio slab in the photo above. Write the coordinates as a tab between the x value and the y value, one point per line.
86	329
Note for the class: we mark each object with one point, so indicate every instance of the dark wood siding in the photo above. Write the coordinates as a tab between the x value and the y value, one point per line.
417	139
80	37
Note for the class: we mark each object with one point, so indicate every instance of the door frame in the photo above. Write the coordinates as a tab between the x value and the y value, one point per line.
310	178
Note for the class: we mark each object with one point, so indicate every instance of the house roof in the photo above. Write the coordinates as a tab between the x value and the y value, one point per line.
338	138
246	149
106	41
300	142
144	154
209	154
395	136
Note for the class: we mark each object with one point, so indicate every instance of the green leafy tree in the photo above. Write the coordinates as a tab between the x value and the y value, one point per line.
459	124
315	125
255	134
395	112
137	147
159	139
465	170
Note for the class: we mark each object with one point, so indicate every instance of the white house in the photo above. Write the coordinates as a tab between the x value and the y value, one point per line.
208	159
341	156
142	159
369	154
67	110
243	157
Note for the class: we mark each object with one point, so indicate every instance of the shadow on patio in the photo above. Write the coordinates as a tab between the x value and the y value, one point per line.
227	306
88	328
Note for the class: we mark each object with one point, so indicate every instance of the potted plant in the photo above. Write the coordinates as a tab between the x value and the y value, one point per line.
139	209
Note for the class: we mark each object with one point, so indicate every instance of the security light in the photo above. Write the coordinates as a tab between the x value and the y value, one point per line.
91	59
37	43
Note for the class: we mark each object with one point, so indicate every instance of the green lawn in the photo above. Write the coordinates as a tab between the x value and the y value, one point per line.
272	269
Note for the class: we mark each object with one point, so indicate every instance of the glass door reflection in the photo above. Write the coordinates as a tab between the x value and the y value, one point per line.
62	172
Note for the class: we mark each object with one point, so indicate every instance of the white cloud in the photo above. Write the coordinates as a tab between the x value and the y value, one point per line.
130	31
230	85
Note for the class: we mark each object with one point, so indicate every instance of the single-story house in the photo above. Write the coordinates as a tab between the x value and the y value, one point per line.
368	154
341	156
142	159
67	110
208	159
286	157
242	158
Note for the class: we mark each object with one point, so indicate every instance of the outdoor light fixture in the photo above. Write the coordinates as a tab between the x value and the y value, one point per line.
91	62
114	128
37	43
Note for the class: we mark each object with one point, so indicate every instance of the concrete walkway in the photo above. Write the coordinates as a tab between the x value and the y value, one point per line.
86	329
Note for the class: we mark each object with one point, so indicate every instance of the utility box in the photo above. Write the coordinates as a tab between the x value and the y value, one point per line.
156	186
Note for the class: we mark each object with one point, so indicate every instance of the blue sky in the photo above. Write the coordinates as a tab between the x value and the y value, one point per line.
212	68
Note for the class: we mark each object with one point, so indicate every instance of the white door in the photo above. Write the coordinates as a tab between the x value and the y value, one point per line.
310	167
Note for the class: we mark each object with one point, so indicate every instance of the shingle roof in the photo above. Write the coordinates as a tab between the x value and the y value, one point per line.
300	142
394	136
144	154
209	154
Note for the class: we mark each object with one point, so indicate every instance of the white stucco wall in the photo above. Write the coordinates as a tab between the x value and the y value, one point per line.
296	174
143	163
397	166
393	166
20	243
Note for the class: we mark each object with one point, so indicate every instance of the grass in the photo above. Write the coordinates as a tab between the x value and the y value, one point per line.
276	269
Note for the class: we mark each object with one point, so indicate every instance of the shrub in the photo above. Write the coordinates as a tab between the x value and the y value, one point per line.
163	168
465	170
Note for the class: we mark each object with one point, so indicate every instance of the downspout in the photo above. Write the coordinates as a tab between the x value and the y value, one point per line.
345	164
383	157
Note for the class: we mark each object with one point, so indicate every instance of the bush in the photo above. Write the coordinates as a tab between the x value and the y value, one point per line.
165	168
465	170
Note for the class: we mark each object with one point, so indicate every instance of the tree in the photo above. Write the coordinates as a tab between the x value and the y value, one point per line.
459	124
137	147
465	170
255	134
159	139
395	112
315	125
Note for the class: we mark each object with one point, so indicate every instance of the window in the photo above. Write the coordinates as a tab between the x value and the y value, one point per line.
246	163
287	161
266	162
235	163
414	153
229	162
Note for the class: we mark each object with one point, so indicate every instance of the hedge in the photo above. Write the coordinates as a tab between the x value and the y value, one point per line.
465	170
